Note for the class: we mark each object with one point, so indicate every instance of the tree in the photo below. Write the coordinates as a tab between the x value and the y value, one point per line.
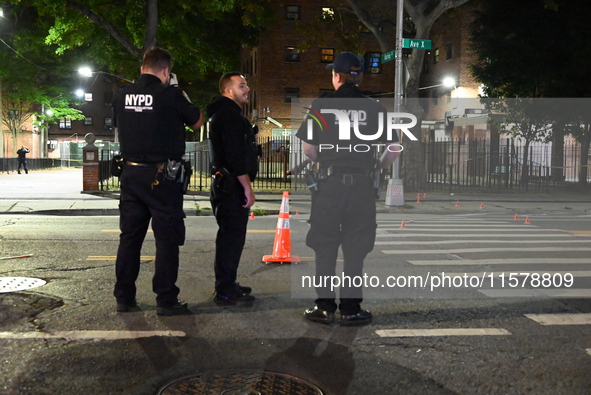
29	83
204	36
421	15
525	49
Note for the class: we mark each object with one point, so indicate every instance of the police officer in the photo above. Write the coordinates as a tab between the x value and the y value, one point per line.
343	208
151	115
235	165
22	159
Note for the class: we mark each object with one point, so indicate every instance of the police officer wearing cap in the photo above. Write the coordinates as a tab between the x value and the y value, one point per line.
151	115
343	207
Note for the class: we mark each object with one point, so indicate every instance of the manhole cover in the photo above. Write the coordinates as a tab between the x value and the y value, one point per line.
12	284
241	383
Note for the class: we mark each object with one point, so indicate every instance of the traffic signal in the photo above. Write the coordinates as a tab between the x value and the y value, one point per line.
372	62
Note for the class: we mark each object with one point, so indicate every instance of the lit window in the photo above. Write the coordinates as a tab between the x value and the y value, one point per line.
293	12
88	121
65	124
436	56
326	55
328	13
292	54
373	62
291	93
88	96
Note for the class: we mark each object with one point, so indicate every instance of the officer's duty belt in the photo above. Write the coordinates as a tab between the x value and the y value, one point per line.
347	174
155	165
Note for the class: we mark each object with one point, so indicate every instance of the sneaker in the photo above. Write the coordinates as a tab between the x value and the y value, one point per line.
233	298
364	317
179	308
128	307
318	315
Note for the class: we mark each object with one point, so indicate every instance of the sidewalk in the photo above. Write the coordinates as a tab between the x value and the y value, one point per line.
59	192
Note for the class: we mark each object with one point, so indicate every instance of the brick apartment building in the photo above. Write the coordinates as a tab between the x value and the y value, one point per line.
279	70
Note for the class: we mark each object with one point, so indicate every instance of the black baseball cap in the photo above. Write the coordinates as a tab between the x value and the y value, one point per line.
346	63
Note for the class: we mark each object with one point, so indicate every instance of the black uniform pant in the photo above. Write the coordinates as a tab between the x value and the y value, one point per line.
342	215
141	201
22	163
232	220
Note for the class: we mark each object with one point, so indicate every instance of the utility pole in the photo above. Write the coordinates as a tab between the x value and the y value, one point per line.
395	191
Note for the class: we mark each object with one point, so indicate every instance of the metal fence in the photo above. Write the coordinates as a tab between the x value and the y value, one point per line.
278	157
8	165
458	165
478	164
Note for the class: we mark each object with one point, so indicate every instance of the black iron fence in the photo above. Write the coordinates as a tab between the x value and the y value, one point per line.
478	164
9	165
457	165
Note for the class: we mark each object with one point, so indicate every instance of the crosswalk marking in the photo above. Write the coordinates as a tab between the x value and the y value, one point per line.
408	233
560	319
568	293
442	332
500	261
523	273
463	241
495	250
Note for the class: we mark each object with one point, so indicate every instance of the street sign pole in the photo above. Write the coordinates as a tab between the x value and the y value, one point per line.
395	191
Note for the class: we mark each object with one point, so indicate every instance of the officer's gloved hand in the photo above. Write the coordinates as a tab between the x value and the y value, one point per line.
172	80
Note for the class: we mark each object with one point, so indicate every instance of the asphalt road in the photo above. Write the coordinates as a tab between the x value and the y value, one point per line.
65	338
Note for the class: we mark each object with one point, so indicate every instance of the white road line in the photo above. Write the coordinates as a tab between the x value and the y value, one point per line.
524	228
496	250
408	233
539	292
560	319
90	335
508	261
484	226
407	243
522	273
442	332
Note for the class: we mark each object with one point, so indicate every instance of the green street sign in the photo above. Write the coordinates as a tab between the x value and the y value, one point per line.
388	56
416	44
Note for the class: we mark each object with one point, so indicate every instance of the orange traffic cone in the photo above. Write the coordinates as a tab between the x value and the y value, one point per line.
481	205
527	220
297	212
252	215
418	198
457	203
516	217
282	243
425	195
402	225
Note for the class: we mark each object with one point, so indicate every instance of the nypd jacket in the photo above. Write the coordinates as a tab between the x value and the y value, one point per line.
151	119
232	138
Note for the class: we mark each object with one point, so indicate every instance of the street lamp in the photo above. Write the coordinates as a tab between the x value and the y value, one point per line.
448	82
86	71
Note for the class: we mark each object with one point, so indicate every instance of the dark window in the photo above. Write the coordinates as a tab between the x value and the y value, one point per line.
108	98
449	48
326	55
292	12
291	93
292	54
108	124
65	124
